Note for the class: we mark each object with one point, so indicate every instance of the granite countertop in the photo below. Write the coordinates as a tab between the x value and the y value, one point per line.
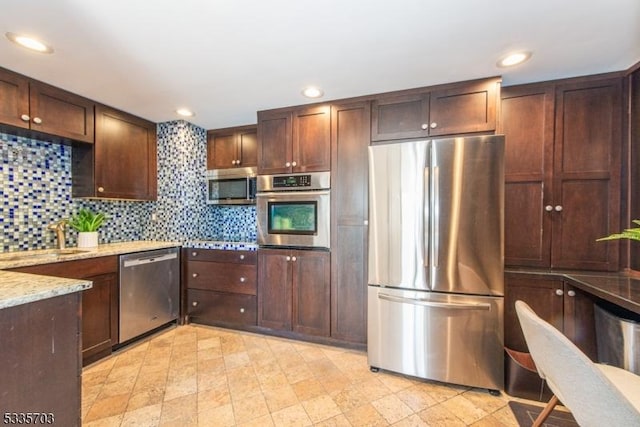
218	244
48	256
620	288
22	288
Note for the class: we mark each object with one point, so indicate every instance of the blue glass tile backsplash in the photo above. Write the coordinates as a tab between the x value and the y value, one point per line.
35	190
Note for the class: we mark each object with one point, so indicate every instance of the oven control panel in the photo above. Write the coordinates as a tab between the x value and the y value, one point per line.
291	181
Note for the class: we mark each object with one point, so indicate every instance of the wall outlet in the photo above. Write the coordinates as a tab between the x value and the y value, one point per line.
154	217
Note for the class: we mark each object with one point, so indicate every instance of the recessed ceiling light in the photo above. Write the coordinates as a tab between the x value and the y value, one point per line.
514	59
185	112
312	92
29	43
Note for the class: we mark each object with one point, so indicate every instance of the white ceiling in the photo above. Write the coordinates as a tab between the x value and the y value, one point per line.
226	59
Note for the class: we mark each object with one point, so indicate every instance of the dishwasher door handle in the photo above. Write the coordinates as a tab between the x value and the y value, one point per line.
149	260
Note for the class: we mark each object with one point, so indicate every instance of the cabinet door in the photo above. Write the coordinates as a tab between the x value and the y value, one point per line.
527	122
544	296
311	151
57	112
579	320
311	292
98	333
125	156
398	117
465	109
221	150
350	138
274	289
14	99
587	174
274	142
247	148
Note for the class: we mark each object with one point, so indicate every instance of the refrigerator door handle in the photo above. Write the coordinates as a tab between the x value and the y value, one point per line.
425	224
436	216
428	303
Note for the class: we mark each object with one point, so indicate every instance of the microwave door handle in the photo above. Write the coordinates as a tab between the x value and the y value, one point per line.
248	187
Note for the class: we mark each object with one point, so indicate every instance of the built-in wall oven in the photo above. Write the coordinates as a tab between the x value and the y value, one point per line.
294	210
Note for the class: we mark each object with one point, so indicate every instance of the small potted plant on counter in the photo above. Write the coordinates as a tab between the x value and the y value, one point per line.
86	223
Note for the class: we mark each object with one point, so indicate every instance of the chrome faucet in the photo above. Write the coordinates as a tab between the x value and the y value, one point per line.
59	228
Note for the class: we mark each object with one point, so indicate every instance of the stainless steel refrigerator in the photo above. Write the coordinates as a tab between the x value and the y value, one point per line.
436	285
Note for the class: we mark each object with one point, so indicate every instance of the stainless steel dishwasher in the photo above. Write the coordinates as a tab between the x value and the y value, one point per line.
149	291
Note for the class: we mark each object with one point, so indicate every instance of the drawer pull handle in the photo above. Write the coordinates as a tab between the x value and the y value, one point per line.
195	303
241	256
242	310
194	253
242	280
195	275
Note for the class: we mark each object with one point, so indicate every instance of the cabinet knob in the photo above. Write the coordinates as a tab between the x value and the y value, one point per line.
558	208
100	189
194	275
25	117
37	120
288	258
548	208
294	259
237	162
434	125
241	310
424	126
288	164
194	253
195	303
242	280
559	292
233	162
241	256
294	164
571	293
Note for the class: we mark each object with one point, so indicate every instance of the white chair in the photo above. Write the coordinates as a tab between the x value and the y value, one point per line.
596	394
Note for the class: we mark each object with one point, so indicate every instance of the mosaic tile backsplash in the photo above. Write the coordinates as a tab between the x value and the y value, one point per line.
35	191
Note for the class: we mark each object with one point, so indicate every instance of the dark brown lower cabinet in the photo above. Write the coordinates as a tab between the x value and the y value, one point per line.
556	301
40	356
220	287
294	293
99	304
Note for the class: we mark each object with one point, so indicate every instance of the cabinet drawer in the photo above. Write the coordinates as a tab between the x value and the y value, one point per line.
218	255
222	307
215	276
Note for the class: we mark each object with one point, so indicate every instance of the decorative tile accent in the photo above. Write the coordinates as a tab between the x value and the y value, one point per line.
35	191
231	224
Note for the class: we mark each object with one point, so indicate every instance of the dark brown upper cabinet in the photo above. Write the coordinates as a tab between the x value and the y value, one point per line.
40	108
235	147
466	107
122	164
294	140
562	171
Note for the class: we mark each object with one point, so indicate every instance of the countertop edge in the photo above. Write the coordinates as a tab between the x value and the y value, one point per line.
24	288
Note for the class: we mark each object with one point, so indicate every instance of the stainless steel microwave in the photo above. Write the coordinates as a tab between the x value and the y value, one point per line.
235	186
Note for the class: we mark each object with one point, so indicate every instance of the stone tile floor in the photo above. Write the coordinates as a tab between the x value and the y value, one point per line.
204	376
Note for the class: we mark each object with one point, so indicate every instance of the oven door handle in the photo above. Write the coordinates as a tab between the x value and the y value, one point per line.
288	194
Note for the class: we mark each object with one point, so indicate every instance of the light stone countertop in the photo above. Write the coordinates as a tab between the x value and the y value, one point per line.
22	288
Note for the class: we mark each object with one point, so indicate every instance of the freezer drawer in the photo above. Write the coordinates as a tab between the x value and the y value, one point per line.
450	338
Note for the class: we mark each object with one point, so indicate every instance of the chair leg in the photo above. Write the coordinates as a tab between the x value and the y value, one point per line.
546	412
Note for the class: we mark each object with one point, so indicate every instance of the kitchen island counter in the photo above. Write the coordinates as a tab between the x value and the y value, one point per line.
22	288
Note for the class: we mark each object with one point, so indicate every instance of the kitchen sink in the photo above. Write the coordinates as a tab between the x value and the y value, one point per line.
44	253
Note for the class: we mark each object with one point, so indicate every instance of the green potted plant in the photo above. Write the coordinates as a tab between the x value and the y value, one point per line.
629	233
86	223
